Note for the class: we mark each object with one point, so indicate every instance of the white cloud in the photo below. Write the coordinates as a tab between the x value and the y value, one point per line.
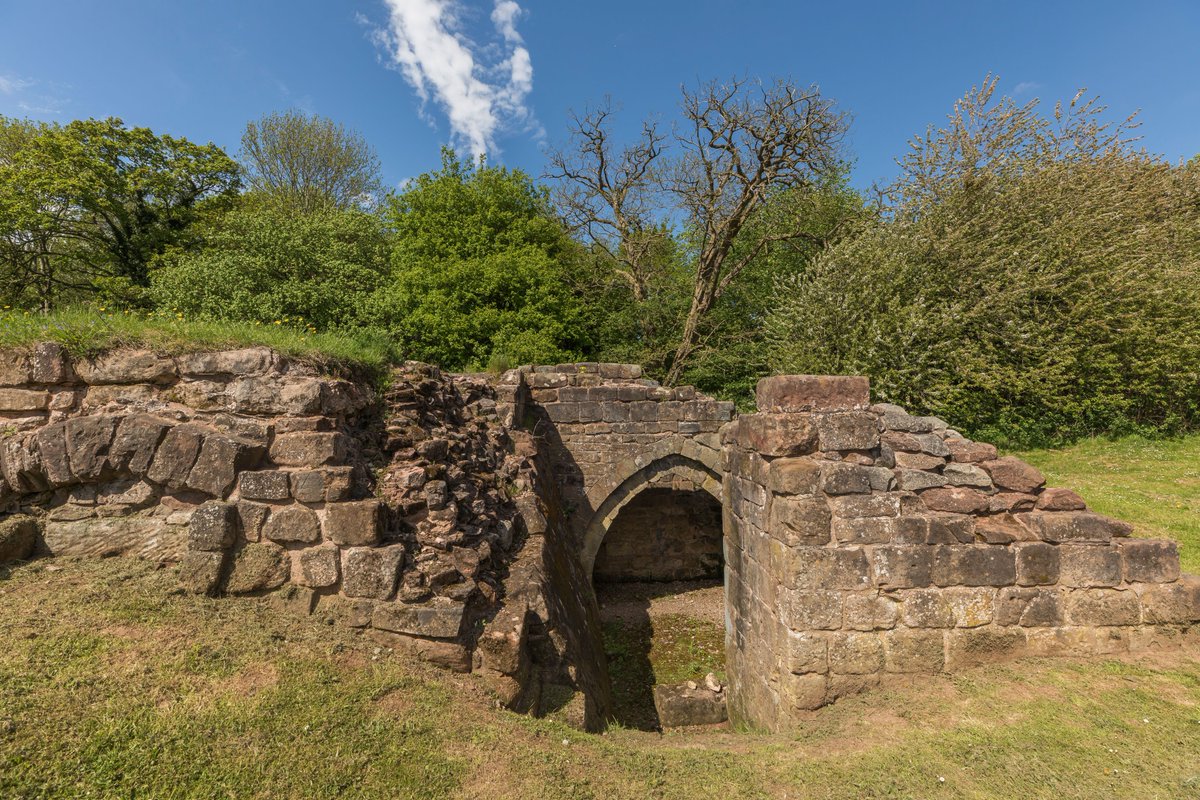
424	39
1026	86
11	85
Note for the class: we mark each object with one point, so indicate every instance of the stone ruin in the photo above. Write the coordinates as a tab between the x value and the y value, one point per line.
462	517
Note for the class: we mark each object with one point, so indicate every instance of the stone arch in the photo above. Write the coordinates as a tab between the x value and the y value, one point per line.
672	457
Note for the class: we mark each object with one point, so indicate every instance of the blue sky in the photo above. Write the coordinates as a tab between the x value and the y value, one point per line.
507	71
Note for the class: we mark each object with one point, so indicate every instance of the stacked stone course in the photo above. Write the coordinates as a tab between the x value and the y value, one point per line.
861	541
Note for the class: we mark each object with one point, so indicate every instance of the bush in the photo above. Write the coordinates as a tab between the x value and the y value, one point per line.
1032	281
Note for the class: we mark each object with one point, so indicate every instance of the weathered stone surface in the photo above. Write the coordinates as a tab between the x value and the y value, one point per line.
251	518
319	566
927	608
439	619
1011	502
914	651
1075	526
901	566
1037	564
226	363
955	499
354	523
1060	500
1013	474
806	652
220	460
14	368
967	647
800	520
1170	603
915	480
127	366
293	523
843	478
804	393
851	430
775	434
863	530
973	565
18	537
52	464
1099	607
1028	607
825	568
804	692
200	572
855	653
371	571
865	505
213	526
1149	560
922	461
309	449
266	484
811	609
896	418
966	475
258	567
965	451
681	705
16	400
175	456
135	443
1087	566
869	611
138	536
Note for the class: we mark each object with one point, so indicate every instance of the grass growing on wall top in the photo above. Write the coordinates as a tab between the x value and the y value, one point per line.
87	332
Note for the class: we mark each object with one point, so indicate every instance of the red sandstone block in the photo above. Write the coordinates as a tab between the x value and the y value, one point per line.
804	393
1149	560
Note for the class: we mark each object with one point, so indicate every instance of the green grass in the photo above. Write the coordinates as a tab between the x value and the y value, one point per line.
1153	484
115	685
87	332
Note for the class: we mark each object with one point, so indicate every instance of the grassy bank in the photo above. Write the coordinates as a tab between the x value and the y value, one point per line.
87	332
112	685
1154	484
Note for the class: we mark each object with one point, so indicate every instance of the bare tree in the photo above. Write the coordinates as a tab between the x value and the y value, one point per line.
309	161
739	143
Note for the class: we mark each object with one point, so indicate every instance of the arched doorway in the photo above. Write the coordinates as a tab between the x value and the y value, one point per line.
658	573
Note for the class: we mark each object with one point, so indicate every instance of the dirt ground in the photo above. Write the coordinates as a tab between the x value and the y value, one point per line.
703	600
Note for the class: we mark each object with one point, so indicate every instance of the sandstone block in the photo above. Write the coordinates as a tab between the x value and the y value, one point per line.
18	400
865	505
855	653
807	652
354	524
824	568
967	647
794	476
811	609
1037	564
266	484
1075	526
1029	608
863	530
927	608
14	368
869	611
1013	474
53	458
371	571
843	478
212	527
1060	500
974	565
896	418
1170	603
200	571
258	567
220	460
49	363
914	651
1149	560
955	499
127	366
440	619
1100	607
915	480
252	517
922	461
964	451
319	566
226	363
901	566
293	523
805	393
175	456
1011	502
309	449
1089	566
971	607
1001	529
851	430
800	520
804	692
966	475
136	440
881	479
774	435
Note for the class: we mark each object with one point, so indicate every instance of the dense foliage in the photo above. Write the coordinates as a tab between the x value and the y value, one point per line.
1032	279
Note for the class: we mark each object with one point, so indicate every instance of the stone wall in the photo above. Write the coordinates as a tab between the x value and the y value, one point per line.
670	533
862	541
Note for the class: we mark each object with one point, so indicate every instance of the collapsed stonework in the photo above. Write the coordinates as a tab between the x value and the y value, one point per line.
463	517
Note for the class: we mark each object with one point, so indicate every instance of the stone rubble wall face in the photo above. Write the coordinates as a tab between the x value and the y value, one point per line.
862	541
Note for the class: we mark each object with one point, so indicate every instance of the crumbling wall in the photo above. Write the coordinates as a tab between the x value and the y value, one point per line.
862	541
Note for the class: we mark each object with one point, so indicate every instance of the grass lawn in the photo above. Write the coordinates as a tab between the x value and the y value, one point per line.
1153	484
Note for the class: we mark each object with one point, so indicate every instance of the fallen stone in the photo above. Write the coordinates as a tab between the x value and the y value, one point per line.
679	706
440	619
1013	474
1060	500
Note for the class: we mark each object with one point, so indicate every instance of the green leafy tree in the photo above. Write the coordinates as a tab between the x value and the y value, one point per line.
308	162
262	263
93	201
1032	277
481	271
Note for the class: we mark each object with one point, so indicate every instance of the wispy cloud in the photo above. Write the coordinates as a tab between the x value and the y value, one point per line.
482	90
11	84
1024	87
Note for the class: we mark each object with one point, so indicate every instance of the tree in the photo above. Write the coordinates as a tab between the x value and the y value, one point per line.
262	263
480	271
1033	277
95	201
309	162
740	143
